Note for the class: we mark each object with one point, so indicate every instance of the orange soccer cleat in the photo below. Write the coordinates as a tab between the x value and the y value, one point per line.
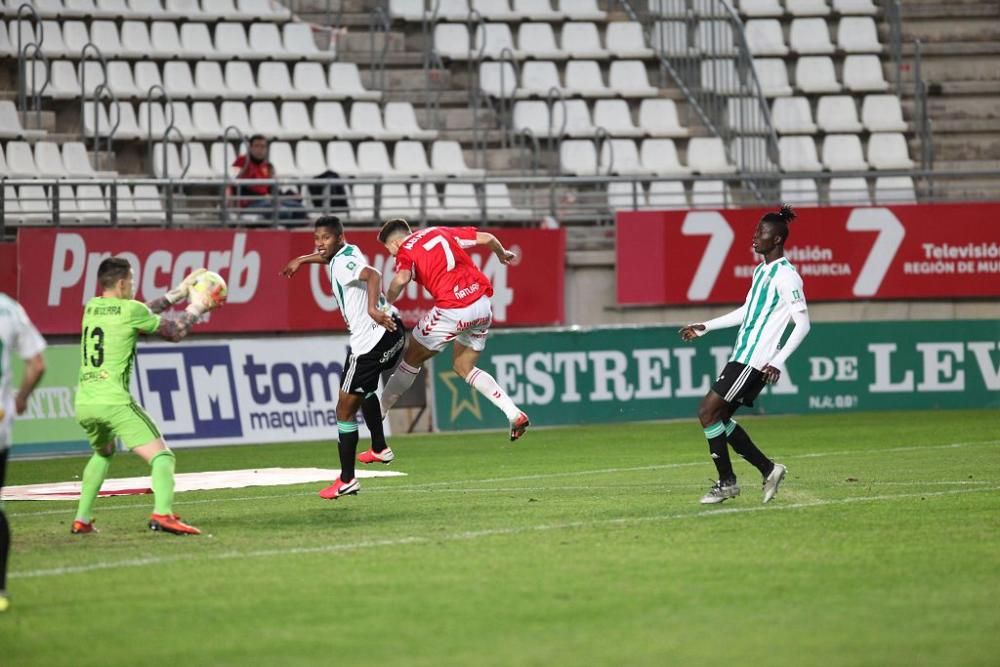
519	426
371	456
340	488
82	527
171	523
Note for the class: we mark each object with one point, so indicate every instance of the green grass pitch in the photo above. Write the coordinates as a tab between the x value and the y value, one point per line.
576	546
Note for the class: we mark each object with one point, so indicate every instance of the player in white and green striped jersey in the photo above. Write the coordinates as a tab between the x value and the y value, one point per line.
775	298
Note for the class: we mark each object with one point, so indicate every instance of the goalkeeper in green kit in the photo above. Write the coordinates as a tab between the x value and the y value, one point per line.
104	406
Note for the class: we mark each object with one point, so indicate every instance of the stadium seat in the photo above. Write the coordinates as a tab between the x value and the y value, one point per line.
361	197
21	161
864	74
798	153
75	36
401	118
299	43
309	159
231	42
47	9
210	83
91	205
837	113
105	34
366	118
222	156
120	80
855	7
858	34
34	203
10	124
407	10
147	75
581	10
577	123
76	160
345	82
537	40
882	113
537	10
147	203
628	78
206	121
177	79
764	37
625	39
707	155
63	80
197	160
537	78
67	208
499	79
580	40
616	117
810	36
714	38
451	40
451	10
217	10
658	117
792	115
328	119
264	120
410	159
50	161
583	78
620	157
772	74
667	195
659	157
710	194
895	190
626	196
888	150
136	41
340	159
53	45
150	9
799	191
196	43
447	158
844	191
719	76
164	39
499	204
181	117
533	115
578	157
761	8
807	7
265	10
424	198
461	202
842	152
234	114
373	159
744	114
815	74
282	156
493	39
308	81
670	38
495	10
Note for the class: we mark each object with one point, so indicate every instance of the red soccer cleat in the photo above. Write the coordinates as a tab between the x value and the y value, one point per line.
82	527
171	523
340	488
371	456
519	426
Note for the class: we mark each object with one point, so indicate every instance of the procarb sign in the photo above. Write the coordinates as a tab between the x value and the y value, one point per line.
205	393
843	254
627	374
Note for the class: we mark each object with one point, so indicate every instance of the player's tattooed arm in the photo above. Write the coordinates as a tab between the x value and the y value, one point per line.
399	281
159	305
505	256
373	282
176	326
295	264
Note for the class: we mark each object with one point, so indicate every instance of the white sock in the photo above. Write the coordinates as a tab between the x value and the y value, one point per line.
397	385
489	388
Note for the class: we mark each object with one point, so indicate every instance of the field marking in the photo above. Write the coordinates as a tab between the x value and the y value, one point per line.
473	534
518	478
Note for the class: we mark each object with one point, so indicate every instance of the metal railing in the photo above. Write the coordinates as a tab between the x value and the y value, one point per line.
379	23
227	192
35	49
922	119
99	92
894	16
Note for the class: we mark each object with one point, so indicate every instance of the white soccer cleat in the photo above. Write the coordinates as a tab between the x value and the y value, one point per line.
720	493
773	481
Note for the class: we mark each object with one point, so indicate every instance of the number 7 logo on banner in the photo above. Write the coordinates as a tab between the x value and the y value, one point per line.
890	236
713	225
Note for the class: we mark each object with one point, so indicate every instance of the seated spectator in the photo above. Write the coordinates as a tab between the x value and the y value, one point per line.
256	166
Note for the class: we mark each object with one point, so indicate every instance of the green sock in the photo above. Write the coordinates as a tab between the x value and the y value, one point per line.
93	476
163	482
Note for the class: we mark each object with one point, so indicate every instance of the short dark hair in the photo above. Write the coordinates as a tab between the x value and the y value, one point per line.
112	270
332	223
780	219
393	227
255	137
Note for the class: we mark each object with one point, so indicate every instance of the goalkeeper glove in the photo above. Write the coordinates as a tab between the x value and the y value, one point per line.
179	293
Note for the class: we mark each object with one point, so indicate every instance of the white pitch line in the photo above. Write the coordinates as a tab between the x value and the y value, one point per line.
471	535
519	478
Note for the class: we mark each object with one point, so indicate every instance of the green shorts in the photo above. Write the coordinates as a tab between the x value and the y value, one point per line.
104	423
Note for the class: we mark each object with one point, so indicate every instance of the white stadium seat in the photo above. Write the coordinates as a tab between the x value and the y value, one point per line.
855	7
299	42
373	158
165	39
494	39
266	10
309	159
537	10
864	74
105	34
581	40
282	156
888	150
231	42
616	117
895	190
20	160
710	194
91	205
76	160
407	10
340	158
707	155
328	119
538	78
366	118
447	158
495	10
205	118
34	203
53	45
196	43
537	40
658	117
451	40
882	113
578	157
401	118
135	39
499	79
626	196
581	10
772	74
620	157
452	10
842	152
798	153
667	195
460	201
267	42
625	39
264	120
410	159
578	122
583	77
345	81
799	191
845	191
50	161
628	78
858	34
500	205
838	113
75	36
807	7
810	36
815	74
120	80
148	206
309	80
761	8
533	115
764	37
208	82
659	157
792	115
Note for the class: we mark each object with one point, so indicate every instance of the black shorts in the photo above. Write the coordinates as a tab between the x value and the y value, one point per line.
361	373
739	384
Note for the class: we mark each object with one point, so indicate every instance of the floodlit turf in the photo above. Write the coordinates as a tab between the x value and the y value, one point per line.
582	546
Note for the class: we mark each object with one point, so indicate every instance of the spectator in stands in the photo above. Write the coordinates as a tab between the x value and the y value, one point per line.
256	166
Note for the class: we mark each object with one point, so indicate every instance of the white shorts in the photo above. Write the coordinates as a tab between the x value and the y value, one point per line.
468	326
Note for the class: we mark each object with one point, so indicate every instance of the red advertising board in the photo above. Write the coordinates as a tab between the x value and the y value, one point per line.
8	269
57	272
842	253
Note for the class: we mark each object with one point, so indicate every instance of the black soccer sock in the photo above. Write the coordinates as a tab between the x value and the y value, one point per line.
741	442
348	448
371	410
4	549
716	436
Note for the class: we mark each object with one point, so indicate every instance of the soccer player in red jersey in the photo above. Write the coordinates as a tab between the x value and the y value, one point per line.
436	258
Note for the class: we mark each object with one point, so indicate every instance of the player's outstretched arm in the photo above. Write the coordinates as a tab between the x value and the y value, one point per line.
730	319
175	327
399	281
373	283
177	294
484	238
295	264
